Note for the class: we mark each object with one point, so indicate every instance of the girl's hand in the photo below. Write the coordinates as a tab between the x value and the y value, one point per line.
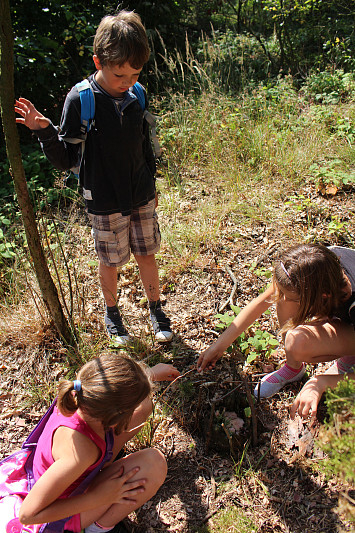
208	358
307	400
118	489
164	372
30	117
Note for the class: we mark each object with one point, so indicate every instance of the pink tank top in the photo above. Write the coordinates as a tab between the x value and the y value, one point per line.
43	457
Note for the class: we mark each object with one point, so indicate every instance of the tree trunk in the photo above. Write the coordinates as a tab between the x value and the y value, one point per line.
7	99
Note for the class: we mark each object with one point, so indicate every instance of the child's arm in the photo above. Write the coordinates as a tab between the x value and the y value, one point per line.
246	317
29	116
61	153
74	454
163	372
307	400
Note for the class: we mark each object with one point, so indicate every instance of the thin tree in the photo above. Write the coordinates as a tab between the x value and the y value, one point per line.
7	98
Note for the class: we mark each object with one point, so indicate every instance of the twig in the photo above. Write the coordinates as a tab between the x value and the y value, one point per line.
209	430
235	286
347	497
230	441
172	382
254	421
209	515
198	408
230	392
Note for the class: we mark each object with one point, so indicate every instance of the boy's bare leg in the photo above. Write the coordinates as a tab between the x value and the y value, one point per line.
108	282
148	270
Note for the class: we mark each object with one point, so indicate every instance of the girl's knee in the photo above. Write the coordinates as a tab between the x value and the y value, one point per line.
157	464
297	344
152	465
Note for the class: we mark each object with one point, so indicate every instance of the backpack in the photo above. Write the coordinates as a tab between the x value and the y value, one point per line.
87	115
17	479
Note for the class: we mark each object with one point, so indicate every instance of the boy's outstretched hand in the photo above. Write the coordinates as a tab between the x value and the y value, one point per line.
164	372
208	358
30	117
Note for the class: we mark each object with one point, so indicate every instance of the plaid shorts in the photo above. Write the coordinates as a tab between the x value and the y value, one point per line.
116	235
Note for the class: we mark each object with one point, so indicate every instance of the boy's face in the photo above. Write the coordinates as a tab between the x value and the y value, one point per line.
115	79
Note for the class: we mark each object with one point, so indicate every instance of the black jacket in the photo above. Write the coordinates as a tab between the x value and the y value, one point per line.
118	167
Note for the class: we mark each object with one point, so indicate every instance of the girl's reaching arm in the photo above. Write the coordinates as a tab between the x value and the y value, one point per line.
246	317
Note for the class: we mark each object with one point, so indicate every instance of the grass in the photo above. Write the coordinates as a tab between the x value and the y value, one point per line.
233	520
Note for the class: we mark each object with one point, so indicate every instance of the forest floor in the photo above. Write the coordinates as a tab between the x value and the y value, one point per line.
269	471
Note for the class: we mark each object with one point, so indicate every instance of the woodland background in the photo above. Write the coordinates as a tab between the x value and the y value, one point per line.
257	124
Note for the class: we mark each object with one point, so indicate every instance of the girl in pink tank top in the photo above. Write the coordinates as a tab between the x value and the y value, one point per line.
109	398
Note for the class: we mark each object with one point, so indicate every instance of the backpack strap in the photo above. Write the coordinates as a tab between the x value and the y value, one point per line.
151	119
139	92
87	102
87	115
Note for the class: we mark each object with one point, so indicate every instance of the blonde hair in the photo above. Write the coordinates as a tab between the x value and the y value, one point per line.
313	272
120	39
112	386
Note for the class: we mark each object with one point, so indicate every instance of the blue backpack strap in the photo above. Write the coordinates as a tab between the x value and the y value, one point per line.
139	92
87	102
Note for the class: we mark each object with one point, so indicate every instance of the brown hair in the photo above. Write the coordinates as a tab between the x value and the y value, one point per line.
315	274
120	39
112	386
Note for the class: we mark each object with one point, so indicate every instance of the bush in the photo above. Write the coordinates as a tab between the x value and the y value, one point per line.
337	439
329	87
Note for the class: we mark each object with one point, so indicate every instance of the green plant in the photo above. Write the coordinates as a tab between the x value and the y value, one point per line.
252	343
261	272
303	205
336	227
331	174
329	87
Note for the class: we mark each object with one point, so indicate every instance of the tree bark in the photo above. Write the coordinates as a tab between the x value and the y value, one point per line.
7	99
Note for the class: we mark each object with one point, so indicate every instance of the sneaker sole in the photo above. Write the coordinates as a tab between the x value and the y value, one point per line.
164	336
120	341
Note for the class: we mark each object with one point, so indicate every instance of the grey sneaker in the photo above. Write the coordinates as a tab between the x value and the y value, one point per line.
160	323
115	328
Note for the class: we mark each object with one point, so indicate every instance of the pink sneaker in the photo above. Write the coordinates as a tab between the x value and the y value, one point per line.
273	382
344	365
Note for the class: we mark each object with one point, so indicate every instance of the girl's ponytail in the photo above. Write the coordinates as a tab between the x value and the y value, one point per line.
68	399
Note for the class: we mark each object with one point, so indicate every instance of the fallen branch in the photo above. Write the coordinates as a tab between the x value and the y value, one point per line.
235	286
254	421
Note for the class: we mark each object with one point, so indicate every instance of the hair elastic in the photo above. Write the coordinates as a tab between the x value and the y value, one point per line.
284	269
77	385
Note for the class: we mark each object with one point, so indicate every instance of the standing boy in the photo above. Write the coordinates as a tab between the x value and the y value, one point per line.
118	166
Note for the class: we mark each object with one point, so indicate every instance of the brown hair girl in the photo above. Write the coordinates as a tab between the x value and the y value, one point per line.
315	274
111	388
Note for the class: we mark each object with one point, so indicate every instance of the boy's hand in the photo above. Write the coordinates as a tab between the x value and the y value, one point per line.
30	117
164	372
208	358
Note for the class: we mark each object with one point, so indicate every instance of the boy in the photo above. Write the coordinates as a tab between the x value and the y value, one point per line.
118	166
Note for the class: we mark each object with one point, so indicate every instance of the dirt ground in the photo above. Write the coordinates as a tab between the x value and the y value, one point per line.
269	469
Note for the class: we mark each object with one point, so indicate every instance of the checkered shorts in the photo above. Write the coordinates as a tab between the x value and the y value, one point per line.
116	236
